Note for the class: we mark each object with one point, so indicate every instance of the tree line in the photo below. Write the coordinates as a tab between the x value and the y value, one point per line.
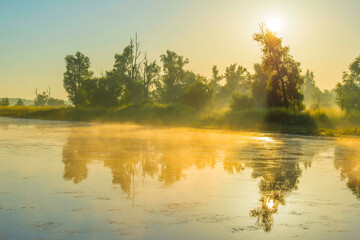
277	81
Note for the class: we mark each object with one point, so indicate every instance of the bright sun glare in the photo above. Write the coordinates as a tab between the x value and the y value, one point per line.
270	203
275	24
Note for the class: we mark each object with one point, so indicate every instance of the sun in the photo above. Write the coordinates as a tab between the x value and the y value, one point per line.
275	24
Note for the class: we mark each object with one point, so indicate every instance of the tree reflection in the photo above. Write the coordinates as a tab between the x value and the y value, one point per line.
277	165
347	160
135	154
165	155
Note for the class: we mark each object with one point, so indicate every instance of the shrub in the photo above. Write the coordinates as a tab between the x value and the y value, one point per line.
4	102
19	103
240	102
197	95
288	117
56	102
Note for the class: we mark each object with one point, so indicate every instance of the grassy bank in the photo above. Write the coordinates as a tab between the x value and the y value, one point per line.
273	120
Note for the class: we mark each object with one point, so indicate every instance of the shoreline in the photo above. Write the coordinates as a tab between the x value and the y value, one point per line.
163	117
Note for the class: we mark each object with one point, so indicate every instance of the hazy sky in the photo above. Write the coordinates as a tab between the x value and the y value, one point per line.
35	36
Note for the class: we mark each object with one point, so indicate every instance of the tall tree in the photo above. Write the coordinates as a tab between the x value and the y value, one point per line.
259	85
126	73
151	73
237	78
77	71
41	99
284	72
175	77
348	92
216	78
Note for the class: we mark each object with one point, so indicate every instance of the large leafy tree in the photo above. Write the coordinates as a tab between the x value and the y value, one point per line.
284	72
126	76
41	99
348	92
150	76
237	79
175	78
77	72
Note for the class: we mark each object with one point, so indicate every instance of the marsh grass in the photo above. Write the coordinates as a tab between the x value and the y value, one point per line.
322	122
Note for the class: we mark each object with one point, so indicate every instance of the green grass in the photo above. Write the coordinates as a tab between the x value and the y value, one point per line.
321	122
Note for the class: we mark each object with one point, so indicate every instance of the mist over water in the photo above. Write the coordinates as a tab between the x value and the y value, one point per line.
89	181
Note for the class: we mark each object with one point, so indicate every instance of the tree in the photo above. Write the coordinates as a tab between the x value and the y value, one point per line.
175	78
41	98
216	78
19	103
4	102
151	73
237	79
259	85
314	97
55	102
198	94
126	79
240	101
284	72
77	72
312	93
348	92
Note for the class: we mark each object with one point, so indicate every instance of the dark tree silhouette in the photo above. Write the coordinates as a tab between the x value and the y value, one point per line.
285	73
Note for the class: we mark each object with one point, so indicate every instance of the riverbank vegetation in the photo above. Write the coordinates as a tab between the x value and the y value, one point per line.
275	97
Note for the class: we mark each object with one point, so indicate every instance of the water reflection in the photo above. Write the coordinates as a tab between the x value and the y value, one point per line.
277	164
347	161
140	154
135	153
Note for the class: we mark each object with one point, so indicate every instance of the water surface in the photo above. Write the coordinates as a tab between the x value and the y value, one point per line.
91	181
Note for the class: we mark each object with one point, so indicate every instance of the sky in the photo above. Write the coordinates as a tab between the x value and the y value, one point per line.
35	36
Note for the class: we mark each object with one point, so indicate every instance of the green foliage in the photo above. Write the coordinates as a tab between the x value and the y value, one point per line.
259	85
348	92
197	94
285	78
216	78
329	123
240	102
151	75
55	102
175	78
41	98
77	72
4	102
126	73
237	79
19	103
45	99
314	97
289	117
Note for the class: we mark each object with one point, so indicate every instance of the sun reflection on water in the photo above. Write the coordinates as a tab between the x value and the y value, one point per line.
270	203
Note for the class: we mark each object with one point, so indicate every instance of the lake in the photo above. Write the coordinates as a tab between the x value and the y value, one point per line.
62	180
